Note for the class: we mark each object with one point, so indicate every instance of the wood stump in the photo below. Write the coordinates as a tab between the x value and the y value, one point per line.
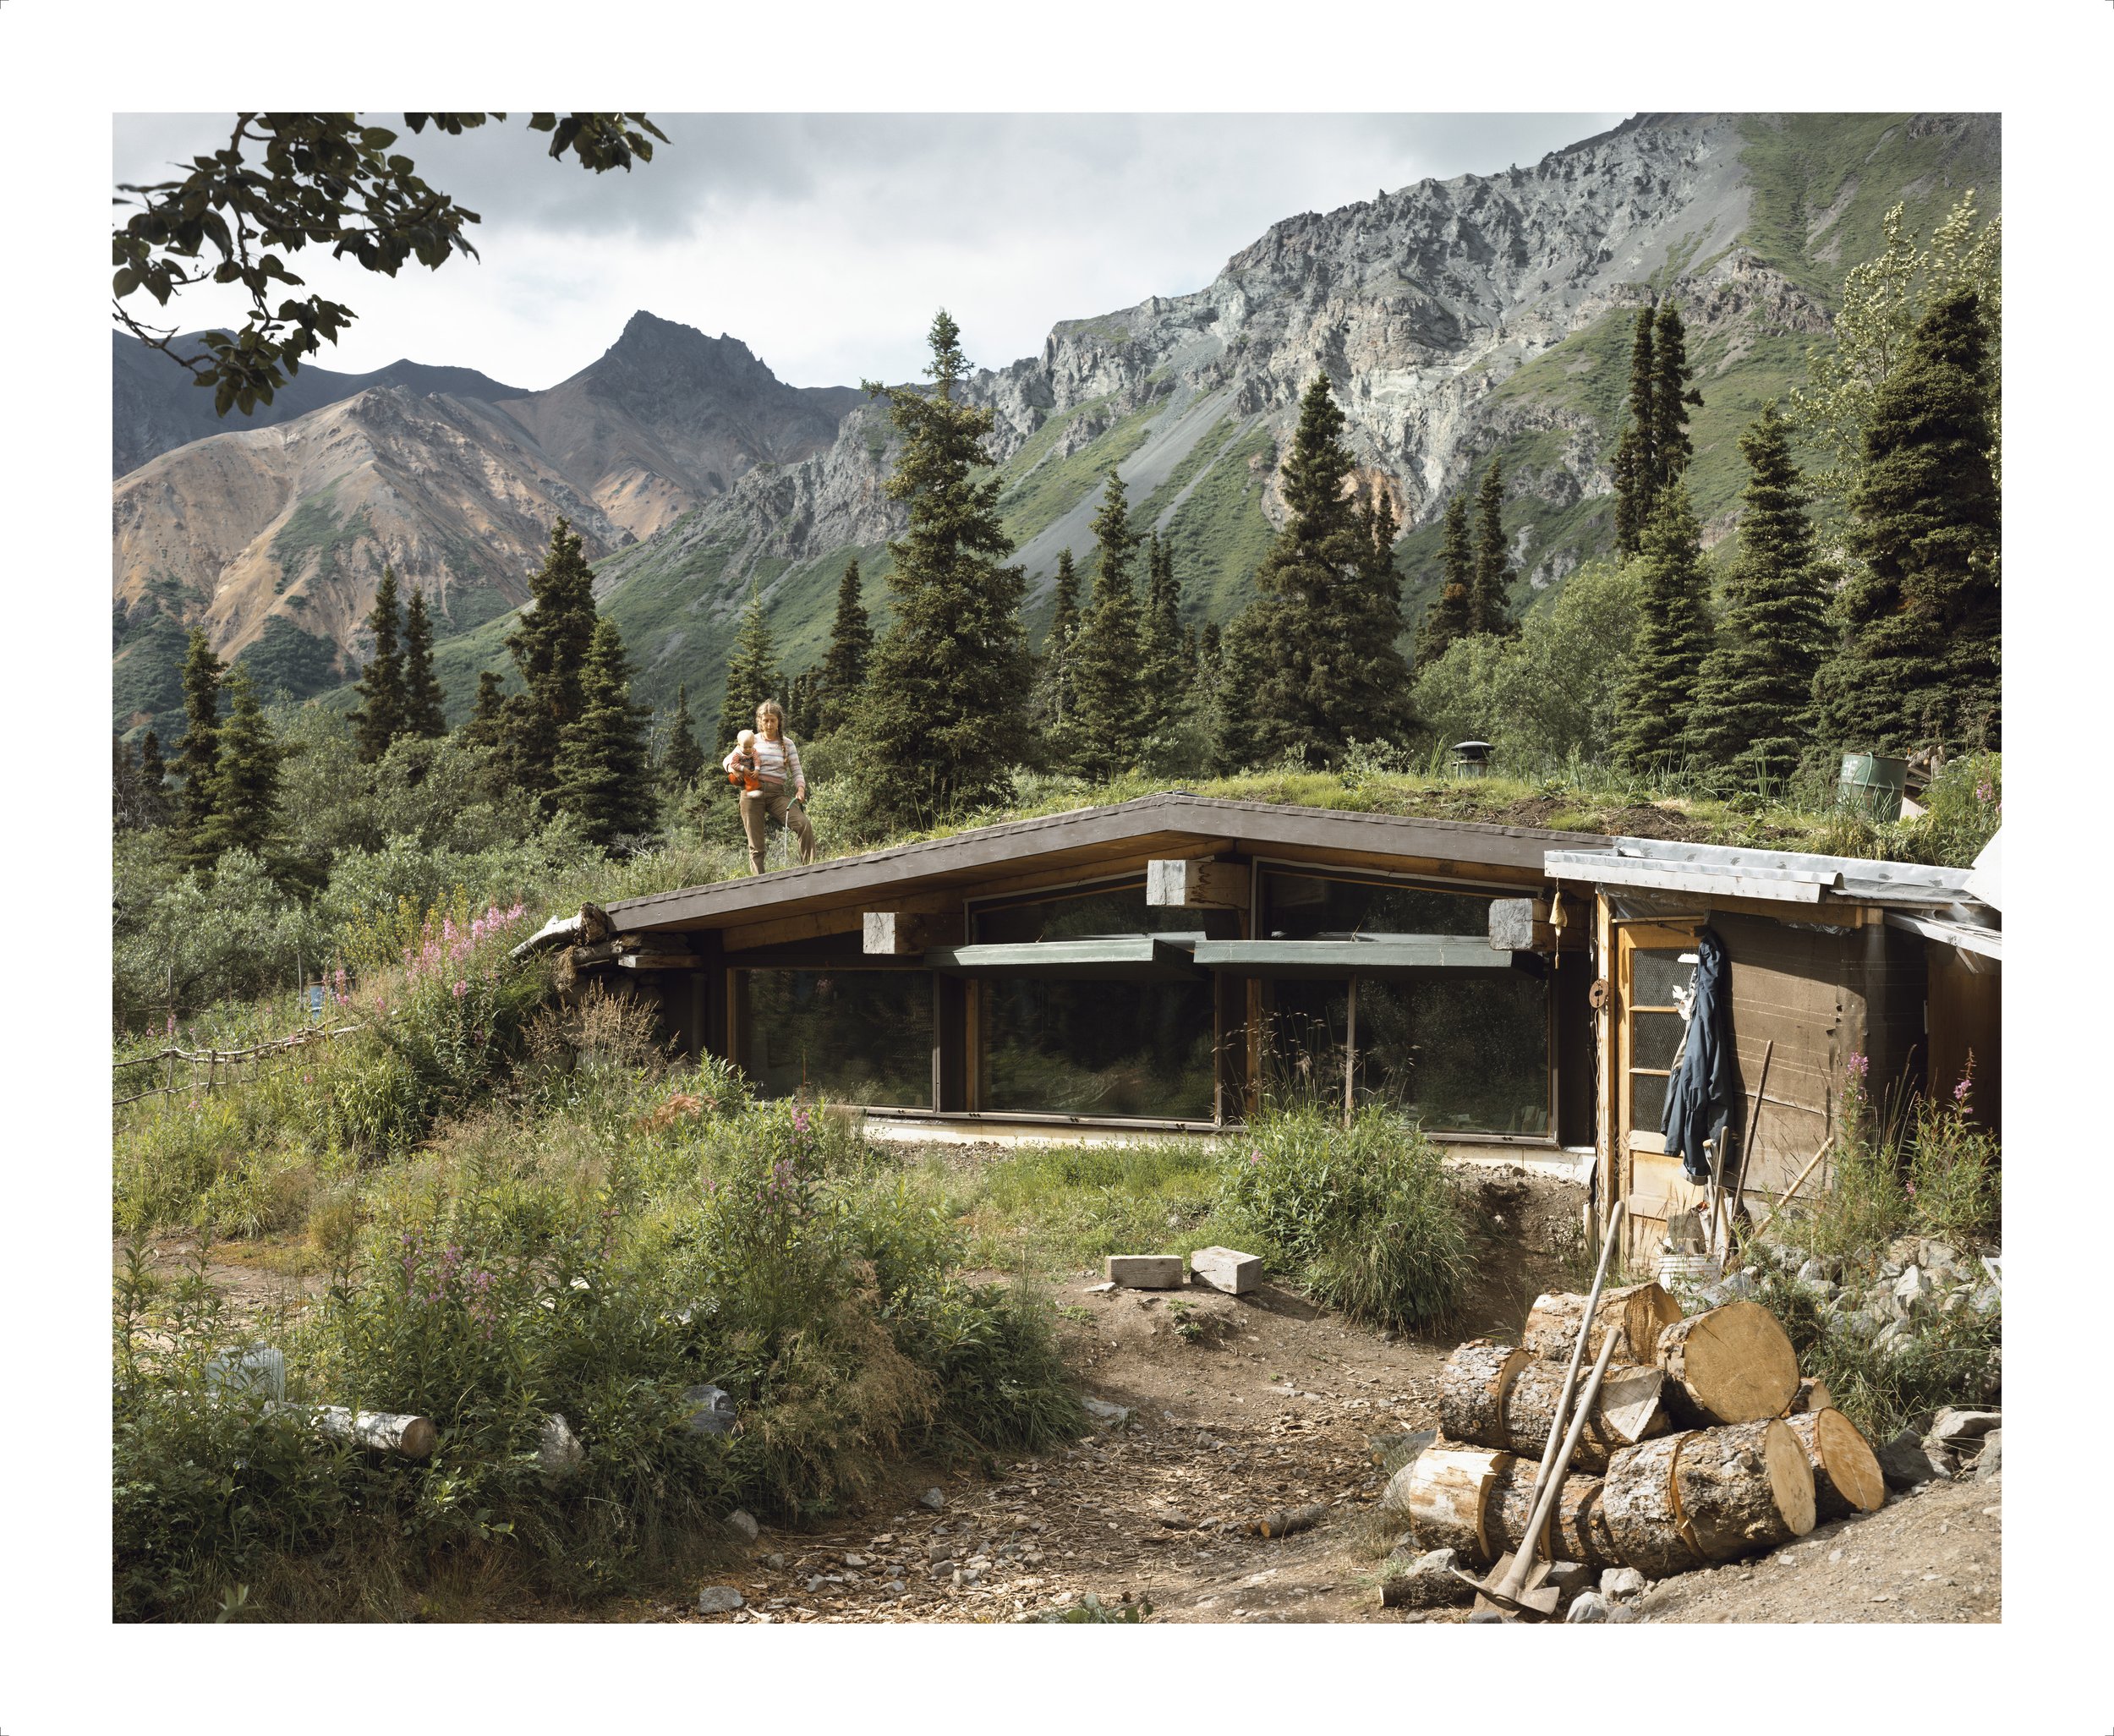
1741	1488
1448	1493
1811	1395
1846	1475
1636	1504
1581	1525
1575	1531
1639	1311
1472	1390
1728	1365
1625	1411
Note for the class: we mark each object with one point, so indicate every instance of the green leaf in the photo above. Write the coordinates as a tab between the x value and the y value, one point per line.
124	283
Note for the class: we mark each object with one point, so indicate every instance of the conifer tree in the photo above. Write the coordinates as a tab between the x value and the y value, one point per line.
549	647
1919	660
843	672
1314	666
753	673
486	727
1672	394
603	777
1634	462
1489	597
1447	618
1164	660
245	780
1056	700
153	774
380	717
424	715
944	721
1106	655
683	763
125	783
197	753
1652	715
1754	699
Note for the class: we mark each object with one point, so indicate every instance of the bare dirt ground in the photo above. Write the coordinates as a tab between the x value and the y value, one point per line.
1236	1408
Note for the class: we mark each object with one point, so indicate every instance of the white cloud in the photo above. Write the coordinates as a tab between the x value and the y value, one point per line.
825	242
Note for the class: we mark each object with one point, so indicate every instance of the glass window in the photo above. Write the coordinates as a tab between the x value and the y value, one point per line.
1299	907
855	1037
1654	977
1458	1055
1097	1049
1654	1039
1105	909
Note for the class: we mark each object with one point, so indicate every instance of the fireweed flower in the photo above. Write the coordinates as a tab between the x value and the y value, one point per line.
1857	1065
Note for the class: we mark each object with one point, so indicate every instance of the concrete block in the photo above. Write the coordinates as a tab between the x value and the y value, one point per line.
1226	1269
1144	1271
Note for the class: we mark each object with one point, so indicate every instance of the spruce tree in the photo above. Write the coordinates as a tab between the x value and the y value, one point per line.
844	664
1314	665
1447	618
153	774
424	715
124	783
549	647
486	724
199	752
1754	699
1166	659
1918	662
1652	715
1489	596
753	673
1056	700
1106	655
245	780
945	718
683	763
604	776
1672	394
384	700
1633	464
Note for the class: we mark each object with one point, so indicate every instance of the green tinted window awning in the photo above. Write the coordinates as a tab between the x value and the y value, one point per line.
1379	956
1117	958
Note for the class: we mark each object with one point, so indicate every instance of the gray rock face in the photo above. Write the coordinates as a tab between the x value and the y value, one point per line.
1620	1582
1907	1464
718	1600
711	1410
933	1498
558	1449
1588	1607
744	1523
1992	1459
1427	1582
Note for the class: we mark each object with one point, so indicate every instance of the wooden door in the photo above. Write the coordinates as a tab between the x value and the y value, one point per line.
1648	1037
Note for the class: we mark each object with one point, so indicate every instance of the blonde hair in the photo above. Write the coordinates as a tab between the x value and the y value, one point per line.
772	708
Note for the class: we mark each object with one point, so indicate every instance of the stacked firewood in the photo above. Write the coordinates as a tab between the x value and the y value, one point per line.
1702	1445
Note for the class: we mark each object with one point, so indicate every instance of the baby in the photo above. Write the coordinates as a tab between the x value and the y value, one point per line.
742	771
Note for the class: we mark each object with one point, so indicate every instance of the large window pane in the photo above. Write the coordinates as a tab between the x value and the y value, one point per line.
1654	977
1299	906
855	1037
1097	1049
1459	1055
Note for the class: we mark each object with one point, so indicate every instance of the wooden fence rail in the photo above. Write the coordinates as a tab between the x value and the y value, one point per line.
213	1059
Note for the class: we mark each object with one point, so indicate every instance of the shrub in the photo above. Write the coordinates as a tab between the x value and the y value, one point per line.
1365	1214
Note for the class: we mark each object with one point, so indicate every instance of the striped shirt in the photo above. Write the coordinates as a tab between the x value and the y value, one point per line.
774	760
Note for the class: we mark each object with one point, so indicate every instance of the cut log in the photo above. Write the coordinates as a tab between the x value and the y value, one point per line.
378	1431
1510	1506
1742	1487
1728	1365
1447	1490
1582	1532
1636	1504
1625	1411
1472	1390
1846	1475
1639	1311
1811	1395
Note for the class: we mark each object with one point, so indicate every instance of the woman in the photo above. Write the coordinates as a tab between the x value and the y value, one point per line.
777	761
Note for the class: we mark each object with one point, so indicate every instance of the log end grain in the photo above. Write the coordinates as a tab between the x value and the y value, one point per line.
1847	1478
1742	1487
1728	1365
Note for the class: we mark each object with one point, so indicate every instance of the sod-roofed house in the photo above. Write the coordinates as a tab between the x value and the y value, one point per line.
1156	963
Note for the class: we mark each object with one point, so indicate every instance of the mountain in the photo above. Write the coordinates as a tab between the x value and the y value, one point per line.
1487	314
155	407
273	537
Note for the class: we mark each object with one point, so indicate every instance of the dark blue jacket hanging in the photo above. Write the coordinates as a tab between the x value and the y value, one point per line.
1701	1094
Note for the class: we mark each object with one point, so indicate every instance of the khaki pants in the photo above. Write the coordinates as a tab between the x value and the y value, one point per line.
756	806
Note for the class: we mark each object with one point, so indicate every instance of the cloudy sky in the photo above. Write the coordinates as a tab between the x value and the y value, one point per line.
825	242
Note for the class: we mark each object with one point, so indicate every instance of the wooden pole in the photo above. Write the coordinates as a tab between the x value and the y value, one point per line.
1784	1198
1349	1049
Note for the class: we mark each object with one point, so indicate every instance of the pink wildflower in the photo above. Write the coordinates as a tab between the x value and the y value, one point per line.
1857	1065
460	989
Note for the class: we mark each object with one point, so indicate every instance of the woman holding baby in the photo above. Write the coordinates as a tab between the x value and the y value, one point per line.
763	762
